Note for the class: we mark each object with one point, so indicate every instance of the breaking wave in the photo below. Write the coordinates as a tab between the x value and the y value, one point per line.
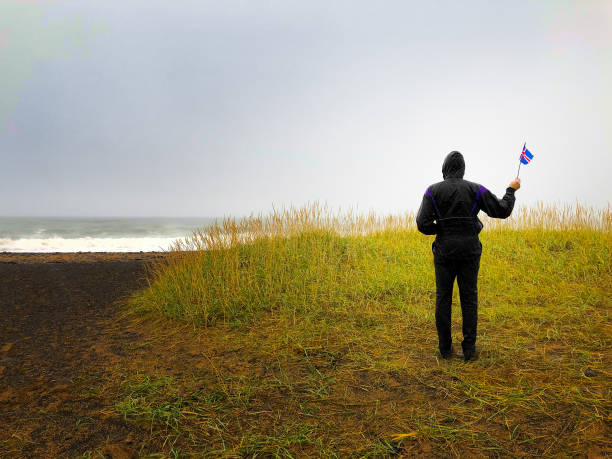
86	244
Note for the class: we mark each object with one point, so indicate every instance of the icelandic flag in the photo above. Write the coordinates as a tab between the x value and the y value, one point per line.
526	155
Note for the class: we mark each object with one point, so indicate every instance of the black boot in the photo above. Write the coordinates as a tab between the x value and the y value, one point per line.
447	353
470	355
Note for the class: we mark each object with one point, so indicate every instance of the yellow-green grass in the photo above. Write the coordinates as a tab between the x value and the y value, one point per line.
327	321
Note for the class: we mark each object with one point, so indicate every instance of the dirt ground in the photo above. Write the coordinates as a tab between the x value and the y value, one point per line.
55	338
66	352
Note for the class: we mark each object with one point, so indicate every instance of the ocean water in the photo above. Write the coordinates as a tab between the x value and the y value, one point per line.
28	234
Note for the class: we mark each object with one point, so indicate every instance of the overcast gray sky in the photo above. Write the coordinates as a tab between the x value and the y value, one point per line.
179	108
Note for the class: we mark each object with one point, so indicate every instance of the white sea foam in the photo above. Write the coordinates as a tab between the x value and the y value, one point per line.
86	244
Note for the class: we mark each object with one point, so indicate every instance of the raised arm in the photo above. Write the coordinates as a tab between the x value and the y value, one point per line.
426	216
500	208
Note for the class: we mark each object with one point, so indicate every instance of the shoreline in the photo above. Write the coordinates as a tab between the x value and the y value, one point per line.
77	257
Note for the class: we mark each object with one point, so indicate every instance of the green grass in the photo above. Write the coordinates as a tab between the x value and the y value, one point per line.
324	340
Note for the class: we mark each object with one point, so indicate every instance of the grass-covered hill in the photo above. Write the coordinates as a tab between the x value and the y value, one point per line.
318	338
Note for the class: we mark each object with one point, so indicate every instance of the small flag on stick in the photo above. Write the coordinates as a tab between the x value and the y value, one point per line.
525	158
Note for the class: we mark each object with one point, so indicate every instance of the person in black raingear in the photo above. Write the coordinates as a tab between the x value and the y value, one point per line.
450	211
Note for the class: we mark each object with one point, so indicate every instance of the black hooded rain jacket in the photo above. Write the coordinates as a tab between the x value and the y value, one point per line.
450	211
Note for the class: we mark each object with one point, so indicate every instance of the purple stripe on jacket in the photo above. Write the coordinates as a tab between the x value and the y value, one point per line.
428	193
481	190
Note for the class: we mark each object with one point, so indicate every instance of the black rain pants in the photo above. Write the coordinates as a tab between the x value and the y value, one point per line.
466	272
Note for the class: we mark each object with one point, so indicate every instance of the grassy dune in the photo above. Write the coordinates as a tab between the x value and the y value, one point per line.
319	338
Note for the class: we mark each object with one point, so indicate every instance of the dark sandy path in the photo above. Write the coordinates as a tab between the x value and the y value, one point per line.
54	335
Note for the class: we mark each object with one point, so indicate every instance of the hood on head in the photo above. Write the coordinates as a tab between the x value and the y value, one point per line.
454	165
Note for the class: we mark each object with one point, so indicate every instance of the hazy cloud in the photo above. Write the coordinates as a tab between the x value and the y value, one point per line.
213	108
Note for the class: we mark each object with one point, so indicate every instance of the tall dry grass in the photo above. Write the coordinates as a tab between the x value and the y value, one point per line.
317	217
310	259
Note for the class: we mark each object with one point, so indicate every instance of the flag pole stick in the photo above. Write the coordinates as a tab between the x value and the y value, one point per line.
520	162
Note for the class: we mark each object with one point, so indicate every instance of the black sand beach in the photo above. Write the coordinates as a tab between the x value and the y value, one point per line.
54	335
